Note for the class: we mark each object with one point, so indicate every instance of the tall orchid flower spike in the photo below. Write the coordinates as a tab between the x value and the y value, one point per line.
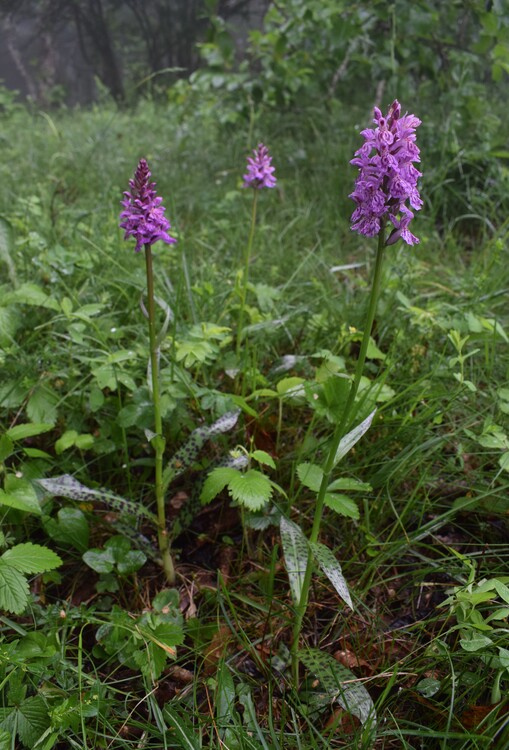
143	216
260	172
387	179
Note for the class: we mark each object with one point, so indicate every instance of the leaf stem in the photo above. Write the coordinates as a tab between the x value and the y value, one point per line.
339	432
158	442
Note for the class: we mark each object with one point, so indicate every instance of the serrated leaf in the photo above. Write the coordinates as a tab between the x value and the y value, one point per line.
215	483
42	405
348	441
332	569
341	684
14	591
264	458
31	558
342	504
22	431
251	489
296	554
310	475
67	486
33	720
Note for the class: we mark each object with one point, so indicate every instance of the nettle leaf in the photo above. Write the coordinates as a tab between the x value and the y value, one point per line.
251	489
342	504
340	684
296	554
310	475
31	558
332	569
187	454
215	483
67	486
14	591
348	441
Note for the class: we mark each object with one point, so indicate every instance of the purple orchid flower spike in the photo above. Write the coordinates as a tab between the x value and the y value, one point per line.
260	173
387	178
143	216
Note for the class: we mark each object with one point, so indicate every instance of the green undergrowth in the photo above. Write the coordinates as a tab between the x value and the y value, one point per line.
104	655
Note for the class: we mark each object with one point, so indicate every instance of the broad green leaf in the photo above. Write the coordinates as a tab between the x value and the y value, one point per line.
14	589
348	441
100	560
332	569
31	558
291	389
32	720
340	684
131	562
475	642
215	483
349	484
31	294
224	696
310	475
428	687
10	320
19	494
5	740
342	504
70	527
264	458
42	405
22	431
66	441
296	554
251	489
502	590
6	447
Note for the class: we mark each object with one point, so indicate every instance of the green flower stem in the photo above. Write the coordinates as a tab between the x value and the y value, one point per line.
245	275
339	432
158	441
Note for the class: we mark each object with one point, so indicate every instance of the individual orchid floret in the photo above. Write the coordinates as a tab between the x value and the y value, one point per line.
387	178
260	173
143	216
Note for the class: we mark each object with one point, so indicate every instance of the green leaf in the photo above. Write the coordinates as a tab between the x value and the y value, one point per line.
292	389
251	489
7	248
183	730
296	553
131	562
31	294
349	484
42	405
6	447
348	441
32	720
340	684
342	504
224	696
100	560
332	569
65	442
19	494
70	527
215	483
502	590
310	475
264	458
5	740
31	558
22	431
14	591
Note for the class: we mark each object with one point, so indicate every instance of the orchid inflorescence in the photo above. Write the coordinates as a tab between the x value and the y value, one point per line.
387	178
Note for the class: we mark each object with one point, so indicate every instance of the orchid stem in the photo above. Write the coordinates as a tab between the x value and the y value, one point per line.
339	432
245	276
158	441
